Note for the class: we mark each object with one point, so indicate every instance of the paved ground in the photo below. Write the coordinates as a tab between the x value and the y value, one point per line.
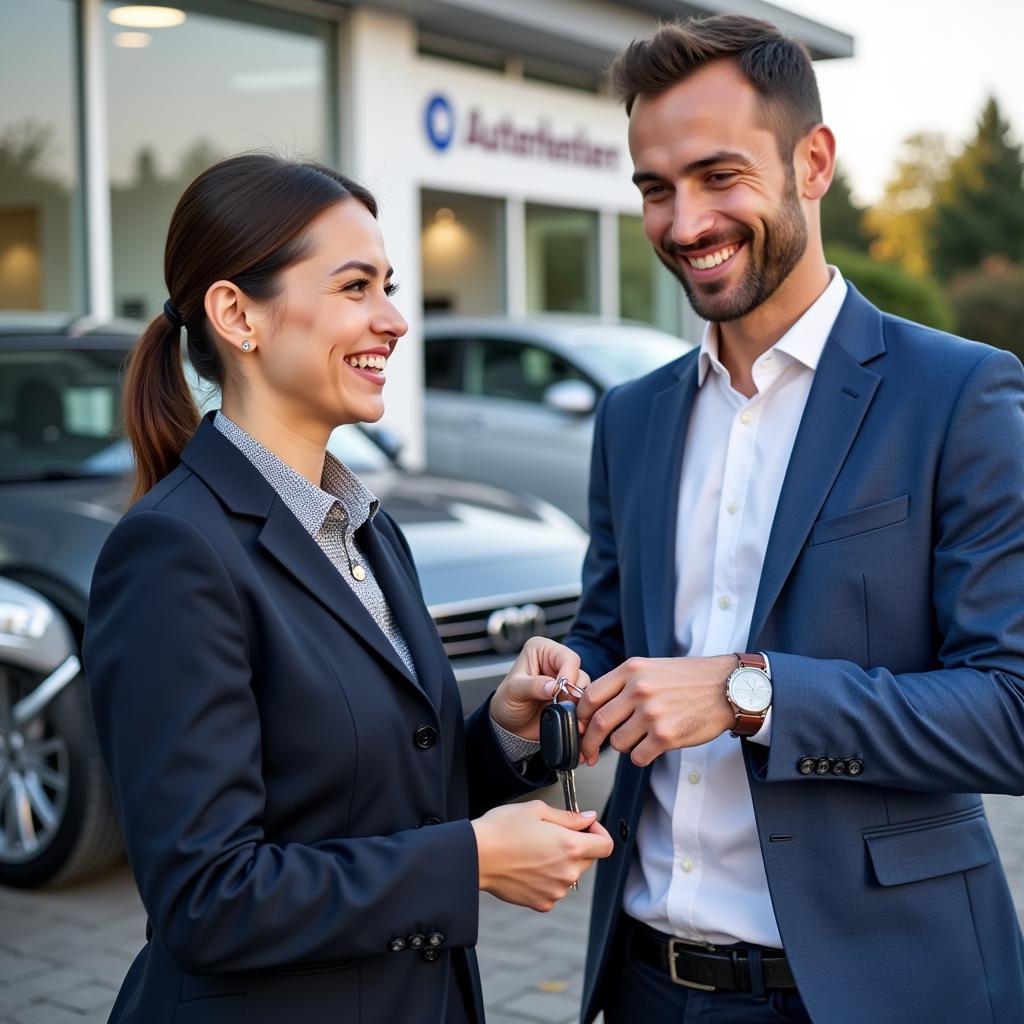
63	954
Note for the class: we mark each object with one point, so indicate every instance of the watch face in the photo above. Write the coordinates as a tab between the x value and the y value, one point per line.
750	690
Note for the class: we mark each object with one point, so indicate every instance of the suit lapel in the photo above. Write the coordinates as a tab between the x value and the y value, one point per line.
284	538
244	492
403	595
839	399
663	466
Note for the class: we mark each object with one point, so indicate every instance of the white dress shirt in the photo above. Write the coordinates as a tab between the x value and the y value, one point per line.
698	872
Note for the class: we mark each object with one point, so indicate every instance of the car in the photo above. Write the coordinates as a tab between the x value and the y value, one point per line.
496	568
510	401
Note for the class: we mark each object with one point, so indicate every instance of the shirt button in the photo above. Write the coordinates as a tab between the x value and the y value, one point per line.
687	865
694	777
723	601
732	509
746	418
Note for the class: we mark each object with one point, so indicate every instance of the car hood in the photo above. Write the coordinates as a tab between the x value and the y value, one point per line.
57	528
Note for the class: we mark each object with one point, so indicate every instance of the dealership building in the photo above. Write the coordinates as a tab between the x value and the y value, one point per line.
484	127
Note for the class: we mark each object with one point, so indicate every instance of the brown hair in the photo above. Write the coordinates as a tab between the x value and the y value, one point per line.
778	67
241	220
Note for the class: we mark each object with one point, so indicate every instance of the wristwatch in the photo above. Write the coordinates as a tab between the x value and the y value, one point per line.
749	690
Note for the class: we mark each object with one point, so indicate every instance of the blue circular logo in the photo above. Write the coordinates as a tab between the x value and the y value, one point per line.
439	120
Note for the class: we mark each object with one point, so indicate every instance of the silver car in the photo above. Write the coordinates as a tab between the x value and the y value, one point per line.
511	401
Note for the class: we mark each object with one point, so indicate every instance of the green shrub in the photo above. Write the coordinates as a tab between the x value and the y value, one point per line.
894	290
989	305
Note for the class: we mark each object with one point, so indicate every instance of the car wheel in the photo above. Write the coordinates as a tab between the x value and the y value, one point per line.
57	821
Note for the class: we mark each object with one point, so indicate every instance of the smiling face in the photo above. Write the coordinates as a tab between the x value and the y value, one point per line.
721	208
323	343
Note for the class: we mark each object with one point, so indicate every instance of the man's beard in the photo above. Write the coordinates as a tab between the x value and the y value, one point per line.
785	240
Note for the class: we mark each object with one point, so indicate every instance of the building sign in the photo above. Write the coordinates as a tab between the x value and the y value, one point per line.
537	142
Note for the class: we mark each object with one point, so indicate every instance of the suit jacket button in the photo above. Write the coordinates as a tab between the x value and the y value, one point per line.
430	954
435	939
417	941
854	766
824	765
431	821
396	945
807	765
425	737
839	768
623	830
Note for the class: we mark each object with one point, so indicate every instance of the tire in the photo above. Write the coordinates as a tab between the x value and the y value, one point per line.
83	837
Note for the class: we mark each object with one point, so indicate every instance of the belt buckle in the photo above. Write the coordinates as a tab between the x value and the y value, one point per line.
674	974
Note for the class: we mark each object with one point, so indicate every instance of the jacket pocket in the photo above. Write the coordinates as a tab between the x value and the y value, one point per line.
860	520
913	852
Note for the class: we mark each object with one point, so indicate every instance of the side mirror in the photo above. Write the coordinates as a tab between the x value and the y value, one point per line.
390	444
575	397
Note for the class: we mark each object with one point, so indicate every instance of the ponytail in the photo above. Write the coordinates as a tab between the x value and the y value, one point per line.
160	414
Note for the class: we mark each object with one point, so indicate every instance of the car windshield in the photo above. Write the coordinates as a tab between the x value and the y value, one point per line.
630	352
60	411
60	417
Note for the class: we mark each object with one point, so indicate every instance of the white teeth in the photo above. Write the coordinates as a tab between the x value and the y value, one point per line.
367	362
713	259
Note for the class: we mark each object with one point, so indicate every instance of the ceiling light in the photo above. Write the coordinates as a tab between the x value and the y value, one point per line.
132	40
146	16
444	215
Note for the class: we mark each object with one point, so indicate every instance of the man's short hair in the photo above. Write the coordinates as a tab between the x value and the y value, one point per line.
778	67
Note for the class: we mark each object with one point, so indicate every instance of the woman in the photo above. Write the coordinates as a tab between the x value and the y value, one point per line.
282	729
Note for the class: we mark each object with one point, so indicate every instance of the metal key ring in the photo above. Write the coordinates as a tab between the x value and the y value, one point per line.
571	689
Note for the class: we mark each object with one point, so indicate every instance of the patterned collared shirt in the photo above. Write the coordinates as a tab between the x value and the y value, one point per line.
331	514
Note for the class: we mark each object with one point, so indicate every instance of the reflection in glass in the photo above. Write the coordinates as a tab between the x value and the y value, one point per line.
39	213
231	78
561	260
647	291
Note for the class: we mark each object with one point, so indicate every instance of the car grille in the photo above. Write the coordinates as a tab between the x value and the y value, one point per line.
500	626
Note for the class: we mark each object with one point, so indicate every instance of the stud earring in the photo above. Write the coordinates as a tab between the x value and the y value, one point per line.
246	345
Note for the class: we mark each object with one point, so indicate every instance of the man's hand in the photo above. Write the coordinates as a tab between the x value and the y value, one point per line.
650	705
519	700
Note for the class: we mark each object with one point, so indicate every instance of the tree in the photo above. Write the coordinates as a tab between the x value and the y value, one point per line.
842	221
901	222
890	287
989	305
979	210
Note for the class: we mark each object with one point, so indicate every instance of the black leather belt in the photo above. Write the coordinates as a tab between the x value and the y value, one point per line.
704	967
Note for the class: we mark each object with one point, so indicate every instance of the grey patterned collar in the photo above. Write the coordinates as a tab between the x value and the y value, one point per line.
308	503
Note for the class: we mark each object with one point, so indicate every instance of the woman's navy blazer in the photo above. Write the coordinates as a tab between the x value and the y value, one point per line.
295	805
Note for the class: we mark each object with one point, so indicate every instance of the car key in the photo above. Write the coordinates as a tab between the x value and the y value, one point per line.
560	745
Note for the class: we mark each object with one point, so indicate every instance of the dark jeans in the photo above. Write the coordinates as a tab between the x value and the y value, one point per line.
640	994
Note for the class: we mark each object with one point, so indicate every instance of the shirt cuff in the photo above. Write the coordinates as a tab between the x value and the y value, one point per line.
764	734
515	748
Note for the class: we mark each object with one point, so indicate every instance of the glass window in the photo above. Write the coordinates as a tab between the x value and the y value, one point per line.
60	412
462	248
522	372
232	77
647	291
40	213
561	260
443	364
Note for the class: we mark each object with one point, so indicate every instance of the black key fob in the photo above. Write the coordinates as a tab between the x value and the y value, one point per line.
559	737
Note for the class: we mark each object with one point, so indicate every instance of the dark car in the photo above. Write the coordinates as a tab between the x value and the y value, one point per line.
495	569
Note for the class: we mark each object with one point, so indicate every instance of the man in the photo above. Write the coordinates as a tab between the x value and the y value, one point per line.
808	542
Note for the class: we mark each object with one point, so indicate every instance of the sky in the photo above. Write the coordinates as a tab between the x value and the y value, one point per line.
919	65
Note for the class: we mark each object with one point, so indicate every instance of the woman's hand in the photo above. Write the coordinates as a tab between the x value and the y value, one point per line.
519	700
531	854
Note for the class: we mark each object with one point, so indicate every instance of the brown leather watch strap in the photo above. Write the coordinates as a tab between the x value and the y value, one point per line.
752	661
748	725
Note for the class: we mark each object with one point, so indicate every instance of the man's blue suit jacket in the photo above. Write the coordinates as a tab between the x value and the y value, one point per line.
891	605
